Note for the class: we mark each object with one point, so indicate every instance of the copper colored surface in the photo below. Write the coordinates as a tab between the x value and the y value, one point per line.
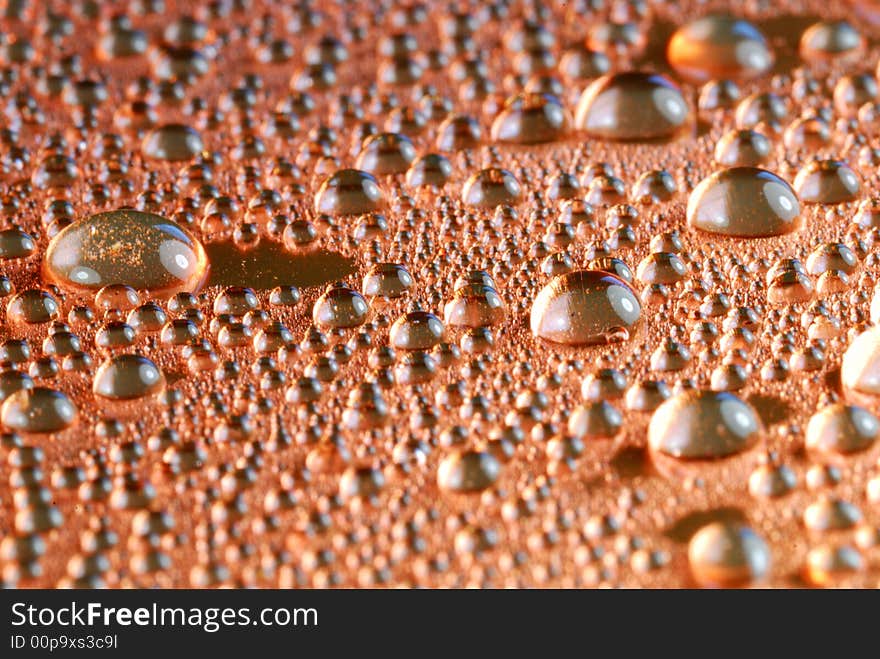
406	427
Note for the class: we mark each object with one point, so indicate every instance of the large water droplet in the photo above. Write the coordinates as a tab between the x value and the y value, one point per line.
38	410
340	307
746	202
125	377
349	192
829	39
826	182
175	142
717	47
468	471
141	250
860	367
631	106
703	425
529	118
584	307
841	428
491	187
725	554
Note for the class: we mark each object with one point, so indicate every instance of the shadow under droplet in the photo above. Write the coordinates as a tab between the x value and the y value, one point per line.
687	526
269	265
631	461
772	410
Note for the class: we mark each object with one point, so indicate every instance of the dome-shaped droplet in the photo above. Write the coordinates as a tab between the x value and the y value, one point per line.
829	39
389	280
16	244
491	187
584	307
175	142
841	428
416	330
468	471
141	250
718	47
38	410
529	118
703	425
386	153
860	367
724	554
746	202
340	307
826	182
124	377
31	307
432	169
631	106
474	305
742	148
349	192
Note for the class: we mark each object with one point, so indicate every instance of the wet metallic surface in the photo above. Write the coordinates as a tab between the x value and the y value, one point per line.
352	393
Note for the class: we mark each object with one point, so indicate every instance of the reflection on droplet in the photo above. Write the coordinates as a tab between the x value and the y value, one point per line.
746	202
826	182
585	307
716	47
126	377
38	410
631	106
703	425
530	119
468	471
349	192
491	187
725	554
141	250
175	142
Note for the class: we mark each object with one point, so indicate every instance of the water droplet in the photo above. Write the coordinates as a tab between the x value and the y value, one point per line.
125	377
340	307
828	39
828	563
742	148
32	306
596	420
38	410
141	250
725	554
349	192
474	305
745	202
584	307
491	187
175	142
388	280
718	46
826	182
468	471
432	169
16	244
631	106
529	118
417	330
386	153
860	367
831	514
703	425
